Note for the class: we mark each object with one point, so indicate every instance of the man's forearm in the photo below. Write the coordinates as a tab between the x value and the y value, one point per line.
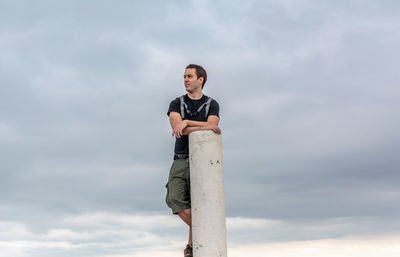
187	130
212	127
193	123
186	126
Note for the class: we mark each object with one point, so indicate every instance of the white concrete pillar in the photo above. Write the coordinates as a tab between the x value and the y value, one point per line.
207	194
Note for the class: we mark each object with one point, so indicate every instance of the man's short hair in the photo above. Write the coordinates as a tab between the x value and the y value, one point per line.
200	72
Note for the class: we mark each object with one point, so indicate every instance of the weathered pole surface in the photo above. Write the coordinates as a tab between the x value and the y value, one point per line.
207	194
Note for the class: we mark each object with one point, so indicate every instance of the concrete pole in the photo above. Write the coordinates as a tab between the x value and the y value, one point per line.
207	194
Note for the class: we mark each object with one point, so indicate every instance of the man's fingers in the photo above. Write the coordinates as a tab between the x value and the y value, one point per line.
178	132
175	133
216	129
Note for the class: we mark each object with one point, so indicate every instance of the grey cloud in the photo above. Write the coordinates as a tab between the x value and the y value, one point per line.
308	94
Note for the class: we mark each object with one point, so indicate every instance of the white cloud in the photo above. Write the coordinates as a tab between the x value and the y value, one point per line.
249	224
126	221
13	231
101	232
384	246
162	235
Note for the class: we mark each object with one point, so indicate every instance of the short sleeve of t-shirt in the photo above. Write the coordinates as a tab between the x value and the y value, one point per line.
214	108
174	106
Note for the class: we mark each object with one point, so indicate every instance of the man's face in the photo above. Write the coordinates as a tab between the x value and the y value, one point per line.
192	83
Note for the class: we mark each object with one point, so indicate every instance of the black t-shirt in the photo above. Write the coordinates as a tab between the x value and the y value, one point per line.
182	144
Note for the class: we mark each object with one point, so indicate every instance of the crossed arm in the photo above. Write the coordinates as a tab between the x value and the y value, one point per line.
184	127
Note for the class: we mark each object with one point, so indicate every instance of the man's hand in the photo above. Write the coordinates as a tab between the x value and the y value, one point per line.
211	127
178	130
214	128
184	127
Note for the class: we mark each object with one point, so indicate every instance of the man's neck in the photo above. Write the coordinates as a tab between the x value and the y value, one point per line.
195	95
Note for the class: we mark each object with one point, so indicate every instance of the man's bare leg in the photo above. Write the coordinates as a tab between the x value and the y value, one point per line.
186	216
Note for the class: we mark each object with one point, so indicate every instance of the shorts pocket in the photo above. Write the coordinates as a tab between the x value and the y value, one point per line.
166	196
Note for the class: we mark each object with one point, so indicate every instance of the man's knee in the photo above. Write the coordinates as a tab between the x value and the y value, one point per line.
186	212
186	215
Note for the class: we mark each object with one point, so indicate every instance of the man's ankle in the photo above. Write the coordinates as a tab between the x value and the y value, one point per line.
188	252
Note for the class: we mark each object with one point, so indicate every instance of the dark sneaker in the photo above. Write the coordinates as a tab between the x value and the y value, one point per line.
188	252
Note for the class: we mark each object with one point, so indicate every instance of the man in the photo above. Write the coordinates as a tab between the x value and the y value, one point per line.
191	112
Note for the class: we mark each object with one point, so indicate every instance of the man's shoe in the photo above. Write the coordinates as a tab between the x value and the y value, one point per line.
188	252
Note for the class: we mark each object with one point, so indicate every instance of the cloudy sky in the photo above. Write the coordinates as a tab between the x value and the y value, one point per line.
309	95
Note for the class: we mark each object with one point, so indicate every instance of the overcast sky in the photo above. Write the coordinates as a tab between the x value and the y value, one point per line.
309	96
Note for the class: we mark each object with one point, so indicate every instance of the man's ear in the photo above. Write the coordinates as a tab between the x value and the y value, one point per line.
201	79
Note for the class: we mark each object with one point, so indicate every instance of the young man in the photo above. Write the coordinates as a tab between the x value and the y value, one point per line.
188	113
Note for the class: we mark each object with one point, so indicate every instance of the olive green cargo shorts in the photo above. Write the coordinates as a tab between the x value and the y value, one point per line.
178	187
